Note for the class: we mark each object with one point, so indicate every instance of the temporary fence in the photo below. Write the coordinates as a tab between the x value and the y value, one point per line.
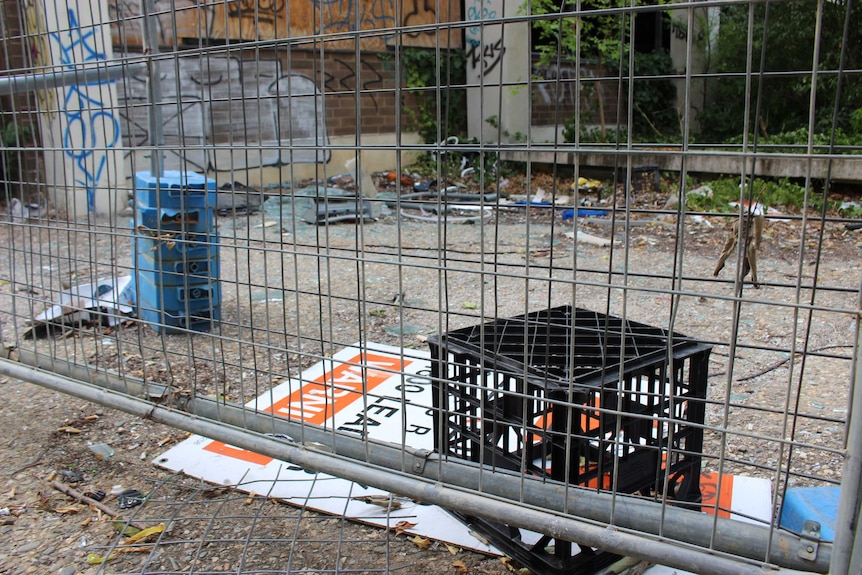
585	275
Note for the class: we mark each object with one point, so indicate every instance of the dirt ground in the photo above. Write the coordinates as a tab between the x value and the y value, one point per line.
396	291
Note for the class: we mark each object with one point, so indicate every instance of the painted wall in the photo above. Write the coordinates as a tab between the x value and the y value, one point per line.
273	19
498	67
80	125
223	113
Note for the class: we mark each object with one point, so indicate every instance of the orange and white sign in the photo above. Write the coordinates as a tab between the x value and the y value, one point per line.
384	393
380	392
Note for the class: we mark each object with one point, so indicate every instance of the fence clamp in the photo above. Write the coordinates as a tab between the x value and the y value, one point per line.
809	540
420	456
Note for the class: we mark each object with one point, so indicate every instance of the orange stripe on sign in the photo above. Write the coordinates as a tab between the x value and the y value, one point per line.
319	400
236	452
709	490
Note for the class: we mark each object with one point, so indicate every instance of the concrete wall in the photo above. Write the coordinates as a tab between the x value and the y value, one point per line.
80	128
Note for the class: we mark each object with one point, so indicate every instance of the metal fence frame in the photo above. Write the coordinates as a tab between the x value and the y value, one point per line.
662	534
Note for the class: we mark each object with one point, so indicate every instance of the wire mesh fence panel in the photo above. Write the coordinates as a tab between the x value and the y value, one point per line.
574	282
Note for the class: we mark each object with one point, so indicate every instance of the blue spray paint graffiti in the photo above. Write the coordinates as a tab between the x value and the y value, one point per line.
476	12
87	119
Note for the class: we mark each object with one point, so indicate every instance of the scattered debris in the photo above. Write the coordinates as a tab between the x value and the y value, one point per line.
130	498
73	476
237	198
97	495
103	451
587	184
568	215
385	501
105	302
589	239
704	191
318	204
403	526
19	211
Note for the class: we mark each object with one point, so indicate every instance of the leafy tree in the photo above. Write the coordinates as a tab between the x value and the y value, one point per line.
604	38
784	38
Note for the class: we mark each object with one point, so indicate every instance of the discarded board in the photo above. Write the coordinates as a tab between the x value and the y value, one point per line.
223	464
744	498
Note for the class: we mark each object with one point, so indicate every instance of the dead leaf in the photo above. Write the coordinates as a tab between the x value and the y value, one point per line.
144	534
420	542
460	565
93	559
452	549
402	527
507	562
124	529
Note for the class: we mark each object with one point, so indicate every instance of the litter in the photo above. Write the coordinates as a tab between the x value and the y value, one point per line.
586	184
103	451
105	302
238	198
583	213
130	498
19	211
588	239
325	205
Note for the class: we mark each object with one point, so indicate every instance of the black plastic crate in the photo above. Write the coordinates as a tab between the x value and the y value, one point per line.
572	394
575	396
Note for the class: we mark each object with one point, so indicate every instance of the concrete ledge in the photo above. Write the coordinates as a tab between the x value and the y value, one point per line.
843	168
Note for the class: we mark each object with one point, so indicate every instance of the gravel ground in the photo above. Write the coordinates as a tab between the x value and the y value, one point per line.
210	530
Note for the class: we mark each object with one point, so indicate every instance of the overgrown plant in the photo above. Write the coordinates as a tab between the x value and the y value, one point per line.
604	39
436	113
782	193
12	135
783	38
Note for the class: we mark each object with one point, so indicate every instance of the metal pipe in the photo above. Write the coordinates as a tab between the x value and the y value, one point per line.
731	537
847	548
10	85
154	88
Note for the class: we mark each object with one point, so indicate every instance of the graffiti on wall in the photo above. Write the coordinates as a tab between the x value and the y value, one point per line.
485	47
558	83
179	20
89	127
340	76
221	113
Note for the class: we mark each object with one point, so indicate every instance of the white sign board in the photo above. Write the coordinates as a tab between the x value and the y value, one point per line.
330	394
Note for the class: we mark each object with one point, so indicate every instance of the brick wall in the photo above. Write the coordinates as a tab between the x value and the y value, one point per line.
339	75
555	93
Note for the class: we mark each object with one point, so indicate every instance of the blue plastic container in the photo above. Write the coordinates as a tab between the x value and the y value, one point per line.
181	271
818	504
159	220
154	294
176	251
174	189
178	246
172	322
